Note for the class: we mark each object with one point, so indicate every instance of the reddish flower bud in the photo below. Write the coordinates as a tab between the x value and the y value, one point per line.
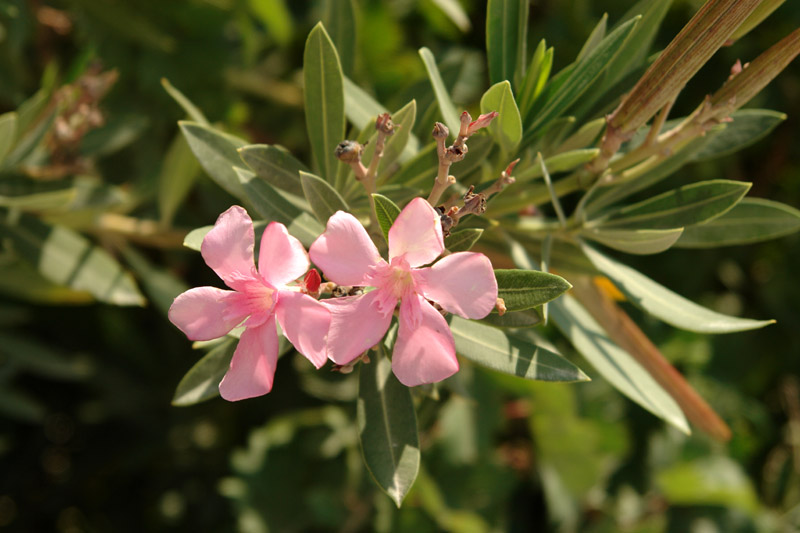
312	281
481	122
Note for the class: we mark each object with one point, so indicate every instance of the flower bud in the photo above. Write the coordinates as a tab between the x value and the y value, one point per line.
384	124
312	281
349	151
440	131
481	122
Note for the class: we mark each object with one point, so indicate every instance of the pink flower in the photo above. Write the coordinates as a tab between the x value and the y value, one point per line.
461	283
260	296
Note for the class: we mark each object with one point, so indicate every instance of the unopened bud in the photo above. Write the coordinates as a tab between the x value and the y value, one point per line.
510	168
482	121
440	131
349	151
384	124
312	281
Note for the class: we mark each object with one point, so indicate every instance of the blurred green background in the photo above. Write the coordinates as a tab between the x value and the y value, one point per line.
90	442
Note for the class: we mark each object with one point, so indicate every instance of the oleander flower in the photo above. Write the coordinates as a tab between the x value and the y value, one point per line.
462	283
259	298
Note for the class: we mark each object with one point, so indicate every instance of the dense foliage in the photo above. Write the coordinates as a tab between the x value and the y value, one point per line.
100	189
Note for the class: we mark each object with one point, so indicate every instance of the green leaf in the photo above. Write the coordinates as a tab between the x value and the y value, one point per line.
24	282
751	220
453	10
8	133
324	99
495	349
506	34
748	126
201	382
179	172
634	241
194	239
691	204
31	109
462	240
120	131
401	145
272	206
323	198
341	23
515	319
387	212
275	165
524	289
506	128
192	110
535	78
664	304
446	107
217	153
585	72
67	258
387	427
597	35
612	362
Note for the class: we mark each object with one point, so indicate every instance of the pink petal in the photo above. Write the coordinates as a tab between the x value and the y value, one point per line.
281	257
462	283
345	253
253	365
356	326
206	313
417	233
305	323
423	353
228	247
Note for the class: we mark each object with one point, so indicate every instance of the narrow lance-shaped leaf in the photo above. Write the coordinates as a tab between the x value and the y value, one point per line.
506	128
495	349
192	110
387	427
597	35
751	220
386	211
323	93
323	198
67	258
275	165
747	127
535	78
584	73
635	241
691	204
217	153
506	33
523	289
612	362
271	205
665	304
446	107
201	382
456	13
462	240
